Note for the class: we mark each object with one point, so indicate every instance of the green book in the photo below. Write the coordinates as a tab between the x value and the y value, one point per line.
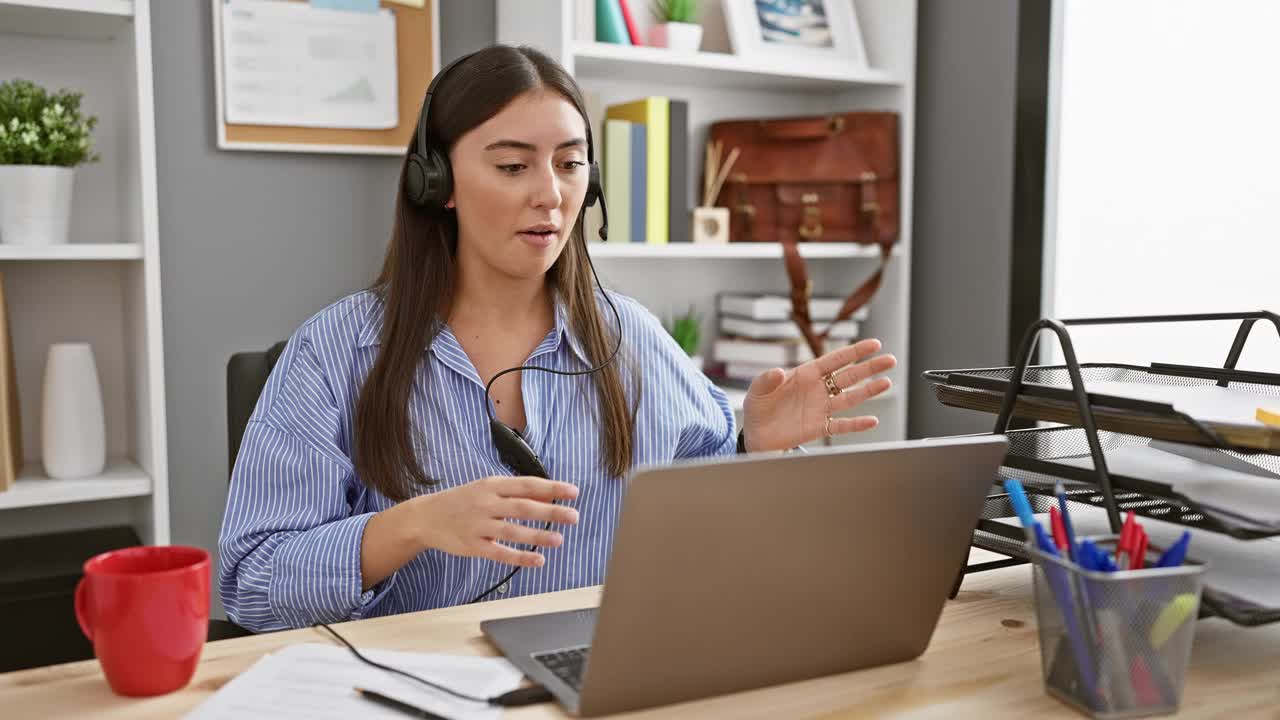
610	26
617	178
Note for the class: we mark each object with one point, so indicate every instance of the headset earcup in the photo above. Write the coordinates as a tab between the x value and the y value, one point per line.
414	179
428	181
439	179
594	189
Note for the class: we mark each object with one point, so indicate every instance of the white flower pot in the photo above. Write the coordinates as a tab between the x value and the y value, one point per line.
73	429
35	204
676	36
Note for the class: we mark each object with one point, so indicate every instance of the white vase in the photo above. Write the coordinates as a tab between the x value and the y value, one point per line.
73	429
676	36
35	204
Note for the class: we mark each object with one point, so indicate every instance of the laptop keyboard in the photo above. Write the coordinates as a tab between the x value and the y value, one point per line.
566	664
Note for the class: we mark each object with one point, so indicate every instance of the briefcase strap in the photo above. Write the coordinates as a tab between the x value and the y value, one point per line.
801	286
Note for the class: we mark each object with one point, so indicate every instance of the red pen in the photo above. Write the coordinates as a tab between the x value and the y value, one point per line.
1140	551
1126	542
1059	529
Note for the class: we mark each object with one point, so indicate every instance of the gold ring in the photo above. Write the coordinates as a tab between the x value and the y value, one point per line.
832	389
826	427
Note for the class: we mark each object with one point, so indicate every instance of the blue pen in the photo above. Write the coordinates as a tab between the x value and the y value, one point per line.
1066	520
1060	583
1176	553
1022	507
1093	558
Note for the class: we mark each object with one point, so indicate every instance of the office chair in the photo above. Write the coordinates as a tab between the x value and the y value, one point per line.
247	373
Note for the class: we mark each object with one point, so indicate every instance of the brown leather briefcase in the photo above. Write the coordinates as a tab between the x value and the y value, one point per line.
827	178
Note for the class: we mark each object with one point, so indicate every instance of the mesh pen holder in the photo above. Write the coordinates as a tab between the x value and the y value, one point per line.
1115	644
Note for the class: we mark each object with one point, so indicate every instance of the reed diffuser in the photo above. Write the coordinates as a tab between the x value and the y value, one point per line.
711	223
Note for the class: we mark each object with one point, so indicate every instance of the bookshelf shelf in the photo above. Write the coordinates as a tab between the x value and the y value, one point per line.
74	251
50	18
120	479
730	251
716	69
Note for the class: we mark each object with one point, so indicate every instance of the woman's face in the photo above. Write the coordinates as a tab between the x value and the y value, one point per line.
519	180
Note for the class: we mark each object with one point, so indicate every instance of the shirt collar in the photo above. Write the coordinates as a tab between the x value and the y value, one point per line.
564	330
371	331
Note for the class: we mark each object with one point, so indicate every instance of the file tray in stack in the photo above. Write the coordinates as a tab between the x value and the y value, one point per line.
1222	491
1176	444
1126	399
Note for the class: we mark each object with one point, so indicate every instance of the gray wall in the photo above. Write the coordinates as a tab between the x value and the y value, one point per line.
966	77
251	244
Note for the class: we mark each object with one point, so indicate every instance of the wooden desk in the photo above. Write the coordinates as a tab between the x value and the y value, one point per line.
983	662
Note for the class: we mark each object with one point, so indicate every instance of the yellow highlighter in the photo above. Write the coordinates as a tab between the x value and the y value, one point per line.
1269	416
1171	618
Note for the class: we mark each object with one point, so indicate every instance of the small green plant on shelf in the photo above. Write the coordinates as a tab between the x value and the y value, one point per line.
682	11
687	332
38	127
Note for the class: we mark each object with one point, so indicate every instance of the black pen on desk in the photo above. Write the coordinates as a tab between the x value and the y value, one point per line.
394	704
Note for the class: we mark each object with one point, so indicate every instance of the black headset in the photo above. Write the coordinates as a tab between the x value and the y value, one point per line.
428	182
428	179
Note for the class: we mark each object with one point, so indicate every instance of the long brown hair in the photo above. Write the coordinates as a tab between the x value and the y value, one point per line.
419	277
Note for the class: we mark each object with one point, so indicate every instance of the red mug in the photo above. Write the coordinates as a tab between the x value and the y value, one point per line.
146	611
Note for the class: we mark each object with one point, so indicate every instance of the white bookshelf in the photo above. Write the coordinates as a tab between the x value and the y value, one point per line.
104	286
672	278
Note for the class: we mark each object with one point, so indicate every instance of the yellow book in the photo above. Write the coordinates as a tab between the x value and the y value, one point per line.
654	113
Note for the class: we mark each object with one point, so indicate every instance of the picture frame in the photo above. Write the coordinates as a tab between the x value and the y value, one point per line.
808	30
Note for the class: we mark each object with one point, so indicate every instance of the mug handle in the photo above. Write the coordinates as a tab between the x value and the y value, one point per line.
82	615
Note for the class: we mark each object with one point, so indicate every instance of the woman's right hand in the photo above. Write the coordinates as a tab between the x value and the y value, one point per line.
472	520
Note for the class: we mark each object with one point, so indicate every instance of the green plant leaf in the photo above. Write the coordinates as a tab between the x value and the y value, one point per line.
687	332
43	128
685	11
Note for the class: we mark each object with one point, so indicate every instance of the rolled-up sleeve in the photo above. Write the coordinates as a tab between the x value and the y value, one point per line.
710	428
289	549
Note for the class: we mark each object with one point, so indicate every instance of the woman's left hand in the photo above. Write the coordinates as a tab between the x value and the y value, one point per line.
786	408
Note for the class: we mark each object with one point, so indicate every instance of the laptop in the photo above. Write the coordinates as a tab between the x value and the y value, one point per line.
735	573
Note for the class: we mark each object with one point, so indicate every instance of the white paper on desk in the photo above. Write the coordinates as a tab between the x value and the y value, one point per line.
1243	494
1208	403
287	63
316	681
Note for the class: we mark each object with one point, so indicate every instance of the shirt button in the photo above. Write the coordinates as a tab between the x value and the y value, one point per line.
502	589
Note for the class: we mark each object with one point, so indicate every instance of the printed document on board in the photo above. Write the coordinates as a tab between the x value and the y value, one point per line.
288	63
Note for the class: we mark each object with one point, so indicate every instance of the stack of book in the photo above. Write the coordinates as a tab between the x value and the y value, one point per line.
757	333
645	163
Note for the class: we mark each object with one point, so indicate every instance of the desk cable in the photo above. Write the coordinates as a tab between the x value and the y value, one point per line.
516	698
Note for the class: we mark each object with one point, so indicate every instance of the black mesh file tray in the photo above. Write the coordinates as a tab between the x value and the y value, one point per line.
1046	394
1041	457
1120	419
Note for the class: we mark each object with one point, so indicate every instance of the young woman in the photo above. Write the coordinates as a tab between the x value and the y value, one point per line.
368	482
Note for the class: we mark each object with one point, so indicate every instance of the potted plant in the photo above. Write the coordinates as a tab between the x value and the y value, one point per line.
43	137
687	332
677	25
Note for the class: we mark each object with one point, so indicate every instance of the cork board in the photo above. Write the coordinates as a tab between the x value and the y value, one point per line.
417	60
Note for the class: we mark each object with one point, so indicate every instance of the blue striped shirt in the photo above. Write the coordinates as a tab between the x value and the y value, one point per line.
289	550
